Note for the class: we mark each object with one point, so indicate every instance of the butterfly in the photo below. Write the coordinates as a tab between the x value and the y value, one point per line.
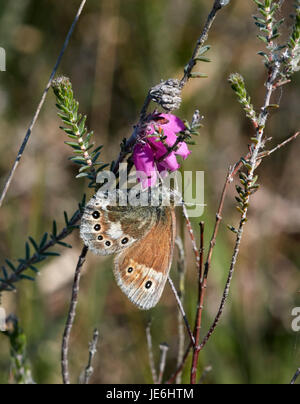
142	237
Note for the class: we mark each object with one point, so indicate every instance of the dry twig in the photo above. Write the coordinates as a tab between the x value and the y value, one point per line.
71	317
150	353
89	370
38	110
296	375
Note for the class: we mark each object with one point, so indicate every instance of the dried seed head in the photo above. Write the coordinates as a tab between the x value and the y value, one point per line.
167	94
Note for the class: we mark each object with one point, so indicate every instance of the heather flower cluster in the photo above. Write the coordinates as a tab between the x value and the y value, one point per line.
152	155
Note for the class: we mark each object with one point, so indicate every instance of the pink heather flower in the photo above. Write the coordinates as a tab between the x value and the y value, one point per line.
149	151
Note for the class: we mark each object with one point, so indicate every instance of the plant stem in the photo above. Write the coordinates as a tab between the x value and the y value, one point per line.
150	353
181	271
278	147
182	311
294	379
202	284
71	317
164	350
42	101
88	372
272	76
201	40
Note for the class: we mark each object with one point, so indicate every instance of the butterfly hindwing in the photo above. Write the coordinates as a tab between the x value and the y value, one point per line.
142	270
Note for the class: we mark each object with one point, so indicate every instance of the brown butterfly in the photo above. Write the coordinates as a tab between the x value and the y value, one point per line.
143	238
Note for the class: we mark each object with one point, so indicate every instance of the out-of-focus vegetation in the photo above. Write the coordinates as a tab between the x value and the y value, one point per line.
119	50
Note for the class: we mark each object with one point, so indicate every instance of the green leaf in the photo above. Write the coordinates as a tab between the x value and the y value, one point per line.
84	168
77	158
273	106
68	130
50	254
73	144
75	227
203	59
66	218
64	244
263	39
27	277
54	229
34	269
82	175
4	272
27	250
254	180
255	186
95	158
82	125
198	75
98	149
44	240
63	117
89	135
203	50
255	140
240	209
73	137
36	247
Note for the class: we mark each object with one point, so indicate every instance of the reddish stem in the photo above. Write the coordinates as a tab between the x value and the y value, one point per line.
201	293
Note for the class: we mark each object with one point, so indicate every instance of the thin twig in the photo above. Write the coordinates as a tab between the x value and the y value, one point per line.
150	353
272	76
181	264
89	370
201	290
269	152
182	311
294	379
191	233
226	290
202	39
163	359
212	243
36	115
71	317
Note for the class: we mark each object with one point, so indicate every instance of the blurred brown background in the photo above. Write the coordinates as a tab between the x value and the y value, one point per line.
119	49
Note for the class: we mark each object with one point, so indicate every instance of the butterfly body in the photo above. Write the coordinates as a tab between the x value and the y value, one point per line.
142	237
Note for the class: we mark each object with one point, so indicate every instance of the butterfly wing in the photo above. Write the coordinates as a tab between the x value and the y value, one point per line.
107	228
142	270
